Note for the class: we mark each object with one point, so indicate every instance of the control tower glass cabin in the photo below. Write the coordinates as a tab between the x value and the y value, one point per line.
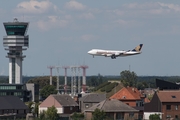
15	42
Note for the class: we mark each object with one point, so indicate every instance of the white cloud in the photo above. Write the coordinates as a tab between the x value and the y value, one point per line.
126	23
52	22
118	12
74	5
35	7
121	22
87	16
174	7
156	11
151	8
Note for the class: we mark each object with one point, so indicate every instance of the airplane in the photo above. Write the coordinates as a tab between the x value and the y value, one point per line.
113	53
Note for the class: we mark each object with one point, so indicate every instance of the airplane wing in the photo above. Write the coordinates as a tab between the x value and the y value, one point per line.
114	55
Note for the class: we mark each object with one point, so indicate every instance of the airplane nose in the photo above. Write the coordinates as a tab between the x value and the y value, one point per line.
89	52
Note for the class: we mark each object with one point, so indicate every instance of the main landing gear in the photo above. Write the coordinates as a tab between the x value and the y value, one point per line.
113	57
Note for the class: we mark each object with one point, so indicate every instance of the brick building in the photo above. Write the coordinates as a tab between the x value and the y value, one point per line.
64	104
165	102
132	97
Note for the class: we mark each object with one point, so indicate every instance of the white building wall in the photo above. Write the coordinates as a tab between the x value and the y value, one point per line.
41	109
18	67
147	114
59	110
10	71
30	86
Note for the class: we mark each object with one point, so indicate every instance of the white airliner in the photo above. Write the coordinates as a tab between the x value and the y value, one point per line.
113	53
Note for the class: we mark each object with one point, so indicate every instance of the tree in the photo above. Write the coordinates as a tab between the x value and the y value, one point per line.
36	109
98	114
43	81
30	106
47	90
51	113
154	117
128	78
77	116
42	115
141	85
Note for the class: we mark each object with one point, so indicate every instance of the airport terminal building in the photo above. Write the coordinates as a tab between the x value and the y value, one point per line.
26	92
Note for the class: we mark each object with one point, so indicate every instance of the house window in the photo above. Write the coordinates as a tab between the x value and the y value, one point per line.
71	108
176	116
119	116
109	116
176	107
86	105
168	107
131	114
173	96
139	103
168	116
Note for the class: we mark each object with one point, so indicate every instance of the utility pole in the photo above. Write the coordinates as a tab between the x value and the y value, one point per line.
57	85
50	67
65	78
84	67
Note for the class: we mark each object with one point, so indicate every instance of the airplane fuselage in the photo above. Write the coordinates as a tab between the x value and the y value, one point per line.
108	53
113	53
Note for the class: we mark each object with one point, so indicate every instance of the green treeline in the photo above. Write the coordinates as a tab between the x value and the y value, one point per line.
95	81
109	87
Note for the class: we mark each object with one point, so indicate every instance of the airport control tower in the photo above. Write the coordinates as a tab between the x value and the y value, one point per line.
15	42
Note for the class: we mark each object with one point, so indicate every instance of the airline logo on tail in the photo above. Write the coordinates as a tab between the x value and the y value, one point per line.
113	53
138	48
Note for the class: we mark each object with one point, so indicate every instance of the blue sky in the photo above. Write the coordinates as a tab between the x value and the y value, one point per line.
62	31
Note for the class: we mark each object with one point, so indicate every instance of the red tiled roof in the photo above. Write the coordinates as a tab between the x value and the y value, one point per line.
146	100
127	93
169	96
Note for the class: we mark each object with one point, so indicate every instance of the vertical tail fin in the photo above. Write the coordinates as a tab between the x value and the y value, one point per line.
138	48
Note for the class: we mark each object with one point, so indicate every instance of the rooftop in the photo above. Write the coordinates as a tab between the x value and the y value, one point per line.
112	105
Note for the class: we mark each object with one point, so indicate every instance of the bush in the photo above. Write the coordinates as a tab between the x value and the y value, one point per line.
154	117
109	87
101	86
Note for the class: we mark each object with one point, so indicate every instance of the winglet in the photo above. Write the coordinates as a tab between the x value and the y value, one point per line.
138	48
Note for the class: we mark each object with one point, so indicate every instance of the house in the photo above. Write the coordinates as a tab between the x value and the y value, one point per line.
166	103
89	100
12	107
132	97
64	104
114	109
